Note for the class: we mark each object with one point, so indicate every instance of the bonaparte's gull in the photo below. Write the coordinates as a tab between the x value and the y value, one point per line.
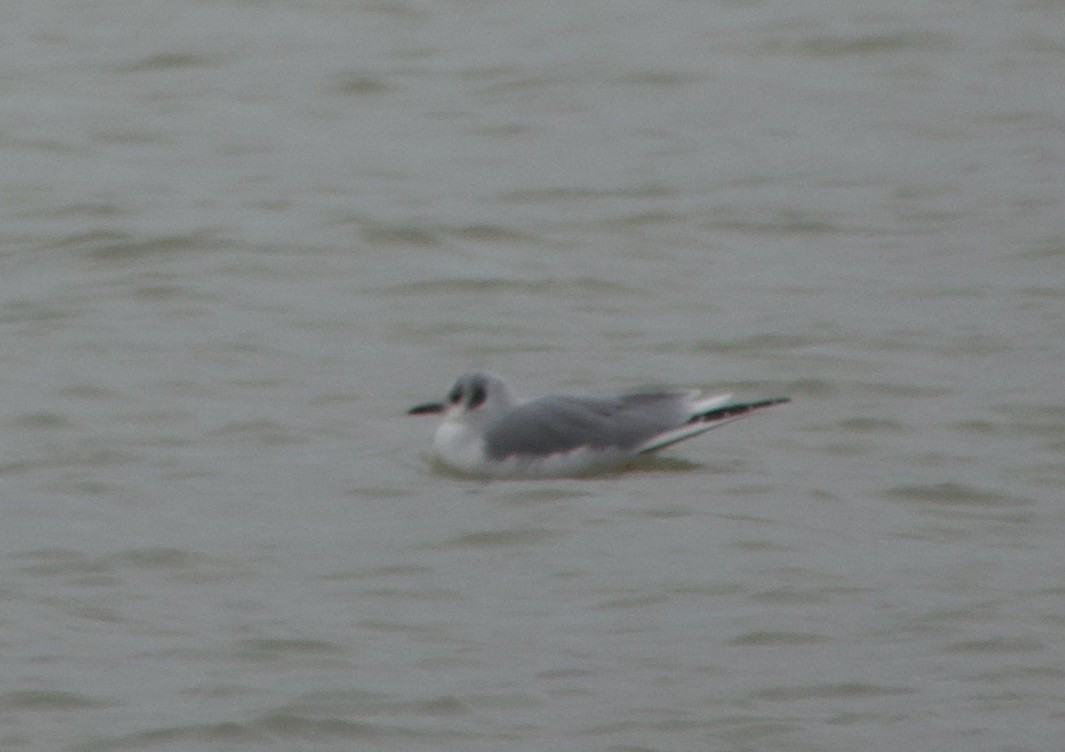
486	432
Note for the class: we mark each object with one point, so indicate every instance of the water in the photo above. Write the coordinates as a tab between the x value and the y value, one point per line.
239	239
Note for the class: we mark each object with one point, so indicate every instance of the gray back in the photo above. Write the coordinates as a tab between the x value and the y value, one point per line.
558	424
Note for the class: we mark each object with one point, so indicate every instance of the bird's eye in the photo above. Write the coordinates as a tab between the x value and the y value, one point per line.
477	396
455	395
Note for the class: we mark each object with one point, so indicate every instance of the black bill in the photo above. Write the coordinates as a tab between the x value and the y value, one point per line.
428	407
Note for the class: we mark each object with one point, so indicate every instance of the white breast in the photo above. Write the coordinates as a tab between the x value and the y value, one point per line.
459	447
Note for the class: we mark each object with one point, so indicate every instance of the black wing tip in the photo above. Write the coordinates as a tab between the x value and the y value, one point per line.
737	409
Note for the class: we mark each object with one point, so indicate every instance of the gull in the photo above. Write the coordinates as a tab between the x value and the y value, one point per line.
487	433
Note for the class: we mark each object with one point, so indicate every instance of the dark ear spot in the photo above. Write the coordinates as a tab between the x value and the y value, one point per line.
455	395
478	395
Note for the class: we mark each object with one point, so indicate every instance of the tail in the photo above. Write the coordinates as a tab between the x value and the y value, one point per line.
702	422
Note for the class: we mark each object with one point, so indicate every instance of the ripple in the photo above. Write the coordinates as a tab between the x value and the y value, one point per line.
830	46
33	312
769	341
292	726
791	595
360	85
161	557
265	433
568	194
348	702
41	420
995	646
870	424
62	562
764	638
490	233
503	538
576	286
658	79
274	647
65	562
954	494
779	222
130	248
44	699
169	61
384	571
381	233
634	601
539	495
1049	247
199	733
841	691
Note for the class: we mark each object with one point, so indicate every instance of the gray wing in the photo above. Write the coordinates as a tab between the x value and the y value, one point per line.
559	424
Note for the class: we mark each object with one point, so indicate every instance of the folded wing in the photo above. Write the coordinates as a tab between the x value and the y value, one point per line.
552	425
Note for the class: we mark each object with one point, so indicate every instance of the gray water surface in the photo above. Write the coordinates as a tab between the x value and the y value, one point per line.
239	239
